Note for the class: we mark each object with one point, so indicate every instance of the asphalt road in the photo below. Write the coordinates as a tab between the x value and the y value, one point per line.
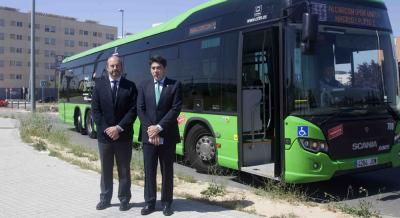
381	188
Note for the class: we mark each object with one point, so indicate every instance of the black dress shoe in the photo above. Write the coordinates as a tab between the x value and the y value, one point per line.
102	205
147	209
124	206
167	210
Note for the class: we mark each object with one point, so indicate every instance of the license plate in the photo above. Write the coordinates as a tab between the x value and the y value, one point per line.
367	162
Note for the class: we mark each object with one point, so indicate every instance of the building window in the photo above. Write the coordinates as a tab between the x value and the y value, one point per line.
1	36
18	76
1	50
96	44
19	37
46	53
95	34
13	23
83	32
50	41
1	22
12	63
1	76
18	50
49	29
69	43
69	31
19	24
109	36
18	63
12	49
1	63
37	26
12	76
12	36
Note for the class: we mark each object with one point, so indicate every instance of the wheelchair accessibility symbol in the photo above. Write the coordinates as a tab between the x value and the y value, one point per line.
302	131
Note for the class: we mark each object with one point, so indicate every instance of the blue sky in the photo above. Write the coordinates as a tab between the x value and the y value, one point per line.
139	14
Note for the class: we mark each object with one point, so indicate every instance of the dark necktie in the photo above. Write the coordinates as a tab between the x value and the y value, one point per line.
114	90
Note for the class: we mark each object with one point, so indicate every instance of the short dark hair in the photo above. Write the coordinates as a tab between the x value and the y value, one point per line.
158	59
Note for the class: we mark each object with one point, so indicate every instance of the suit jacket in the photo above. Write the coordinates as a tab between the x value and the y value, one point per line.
107	114
165	113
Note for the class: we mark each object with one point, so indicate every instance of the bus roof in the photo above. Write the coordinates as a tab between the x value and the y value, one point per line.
172	24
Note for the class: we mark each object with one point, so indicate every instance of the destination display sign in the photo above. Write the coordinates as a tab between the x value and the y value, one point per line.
351	14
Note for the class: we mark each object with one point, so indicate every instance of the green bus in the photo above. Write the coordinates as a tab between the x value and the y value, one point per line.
294	90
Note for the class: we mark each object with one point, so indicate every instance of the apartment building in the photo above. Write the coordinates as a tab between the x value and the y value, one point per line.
55	36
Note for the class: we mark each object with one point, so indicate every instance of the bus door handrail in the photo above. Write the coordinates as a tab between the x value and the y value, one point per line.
269	102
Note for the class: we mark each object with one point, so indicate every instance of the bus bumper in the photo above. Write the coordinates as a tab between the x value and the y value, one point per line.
302	166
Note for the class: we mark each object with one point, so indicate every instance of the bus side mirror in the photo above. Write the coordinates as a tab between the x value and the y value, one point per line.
310	32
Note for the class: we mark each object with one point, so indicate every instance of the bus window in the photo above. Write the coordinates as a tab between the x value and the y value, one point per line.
201	74
100	69
136	67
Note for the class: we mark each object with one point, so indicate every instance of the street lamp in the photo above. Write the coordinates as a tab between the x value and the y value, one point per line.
122	12
33	73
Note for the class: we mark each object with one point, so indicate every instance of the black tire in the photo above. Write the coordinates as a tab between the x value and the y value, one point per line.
78	122
200	149
90	125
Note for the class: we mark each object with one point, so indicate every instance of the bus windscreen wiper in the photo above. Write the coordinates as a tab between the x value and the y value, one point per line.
338	113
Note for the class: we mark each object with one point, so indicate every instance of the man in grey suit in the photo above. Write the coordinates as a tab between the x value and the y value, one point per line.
159	105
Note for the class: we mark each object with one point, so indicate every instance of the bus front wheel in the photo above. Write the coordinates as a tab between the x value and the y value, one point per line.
201	148
90	125
78	123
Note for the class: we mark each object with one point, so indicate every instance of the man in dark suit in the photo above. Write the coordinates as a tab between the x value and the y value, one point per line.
159	105
114	111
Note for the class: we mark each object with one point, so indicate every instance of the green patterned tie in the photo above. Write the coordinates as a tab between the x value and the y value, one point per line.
157	92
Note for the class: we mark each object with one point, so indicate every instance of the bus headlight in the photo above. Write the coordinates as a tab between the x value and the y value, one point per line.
314	145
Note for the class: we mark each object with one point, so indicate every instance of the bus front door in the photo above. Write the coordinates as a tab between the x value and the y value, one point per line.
258	63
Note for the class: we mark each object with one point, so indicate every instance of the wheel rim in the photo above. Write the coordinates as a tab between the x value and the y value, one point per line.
205	148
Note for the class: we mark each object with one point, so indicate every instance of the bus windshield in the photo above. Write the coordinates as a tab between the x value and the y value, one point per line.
348	68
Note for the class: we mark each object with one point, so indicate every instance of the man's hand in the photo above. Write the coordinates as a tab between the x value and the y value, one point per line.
155	140
112	132
153	131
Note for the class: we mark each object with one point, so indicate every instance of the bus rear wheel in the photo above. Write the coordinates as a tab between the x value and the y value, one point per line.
201	149
90	125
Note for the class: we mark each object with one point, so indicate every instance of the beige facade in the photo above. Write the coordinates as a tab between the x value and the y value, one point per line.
55	35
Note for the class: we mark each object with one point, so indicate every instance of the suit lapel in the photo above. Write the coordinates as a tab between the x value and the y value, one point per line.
108	90
151	91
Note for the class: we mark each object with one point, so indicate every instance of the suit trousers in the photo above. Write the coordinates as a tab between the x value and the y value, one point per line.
123	155
151	155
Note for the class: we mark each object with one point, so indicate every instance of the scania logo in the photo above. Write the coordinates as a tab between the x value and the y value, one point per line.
364	145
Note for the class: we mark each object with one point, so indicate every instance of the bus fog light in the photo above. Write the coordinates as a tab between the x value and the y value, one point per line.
316	166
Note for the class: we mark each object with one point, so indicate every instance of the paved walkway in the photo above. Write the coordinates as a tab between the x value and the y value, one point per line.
33	184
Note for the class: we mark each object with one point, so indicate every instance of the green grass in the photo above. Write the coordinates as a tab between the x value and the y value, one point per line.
186	178
40	146
213	190
283	191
